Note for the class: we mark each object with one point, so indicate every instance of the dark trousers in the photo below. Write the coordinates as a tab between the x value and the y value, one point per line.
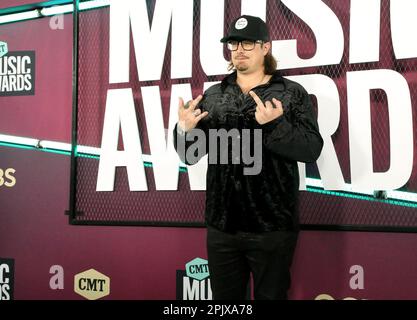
233	257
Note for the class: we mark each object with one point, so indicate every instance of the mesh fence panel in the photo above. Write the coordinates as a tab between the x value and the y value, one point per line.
185	206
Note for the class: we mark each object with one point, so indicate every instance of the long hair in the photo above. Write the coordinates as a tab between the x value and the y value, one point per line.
270	64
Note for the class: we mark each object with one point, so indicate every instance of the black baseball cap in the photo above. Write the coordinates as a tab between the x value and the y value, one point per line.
247	28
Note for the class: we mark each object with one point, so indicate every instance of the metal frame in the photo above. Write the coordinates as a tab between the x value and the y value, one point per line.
73	173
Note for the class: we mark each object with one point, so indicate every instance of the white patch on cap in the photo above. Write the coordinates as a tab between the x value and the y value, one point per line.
241	23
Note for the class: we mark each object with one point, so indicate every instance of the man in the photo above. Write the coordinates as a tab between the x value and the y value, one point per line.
252	220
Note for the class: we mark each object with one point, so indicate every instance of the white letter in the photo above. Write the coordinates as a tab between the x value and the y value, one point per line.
150	42
254	8
326	28
4	289
119	41
120	113
196	173
4	268
203	290
403	26
302	176
360	138
328	108
211	31
364	30
165	161
181	39
190	292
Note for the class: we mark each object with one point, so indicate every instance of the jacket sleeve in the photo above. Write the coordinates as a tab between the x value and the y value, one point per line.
294	135
192	146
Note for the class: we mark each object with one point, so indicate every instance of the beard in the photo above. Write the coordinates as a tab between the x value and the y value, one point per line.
241	66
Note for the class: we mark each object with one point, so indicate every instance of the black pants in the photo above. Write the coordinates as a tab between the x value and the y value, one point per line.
232	257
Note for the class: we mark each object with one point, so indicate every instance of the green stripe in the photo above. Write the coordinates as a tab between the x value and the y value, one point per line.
357	196
396	202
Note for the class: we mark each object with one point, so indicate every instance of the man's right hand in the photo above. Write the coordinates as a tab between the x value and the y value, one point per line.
188	115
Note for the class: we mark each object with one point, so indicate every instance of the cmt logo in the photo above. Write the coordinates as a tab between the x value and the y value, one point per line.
193	283
197	269
7	177
6	279
92	284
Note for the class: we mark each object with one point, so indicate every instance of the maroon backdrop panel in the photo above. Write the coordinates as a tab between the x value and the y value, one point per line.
47	114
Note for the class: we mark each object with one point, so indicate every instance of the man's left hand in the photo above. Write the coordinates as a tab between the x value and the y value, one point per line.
266	112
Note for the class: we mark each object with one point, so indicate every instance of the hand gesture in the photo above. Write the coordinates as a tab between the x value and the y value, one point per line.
188	115
266	112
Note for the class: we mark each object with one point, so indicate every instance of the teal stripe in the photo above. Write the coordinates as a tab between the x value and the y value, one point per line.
395	202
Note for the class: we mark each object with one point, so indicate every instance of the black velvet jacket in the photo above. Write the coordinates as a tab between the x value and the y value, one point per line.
266	201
